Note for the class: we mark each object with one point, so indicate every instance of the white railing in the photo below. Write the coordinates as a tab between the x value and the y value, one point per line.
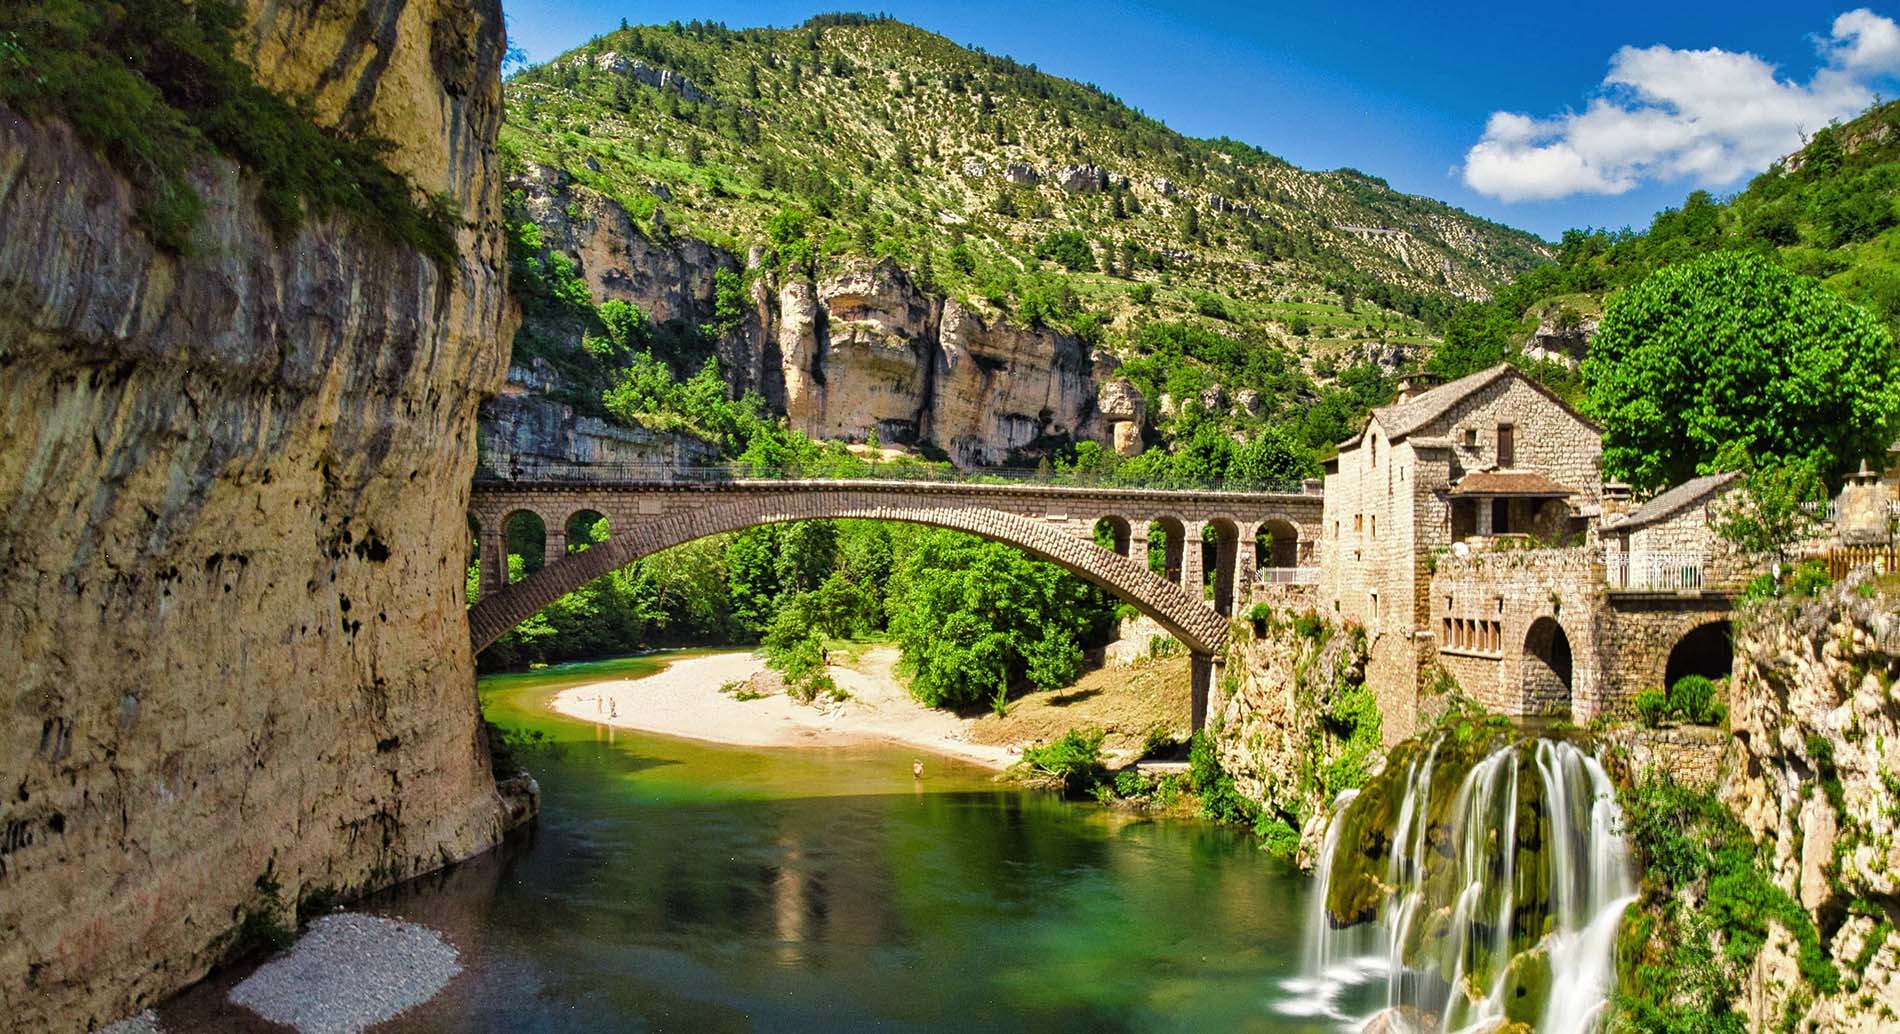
1288	576
1656	571
1829	511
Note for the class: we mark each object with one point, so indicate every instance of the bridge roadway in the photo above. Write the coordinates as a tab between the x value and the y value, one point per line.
1055	522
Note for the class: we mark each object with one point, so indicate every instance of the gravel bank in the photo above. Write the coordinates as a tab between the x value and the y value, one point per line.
348	972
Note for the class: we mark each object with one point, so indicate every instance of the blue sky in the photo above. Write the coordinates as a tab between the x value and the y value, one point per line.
1538	116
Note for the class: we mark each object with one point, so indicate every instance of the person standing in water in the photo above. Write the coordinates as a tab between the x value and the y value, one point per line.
916	768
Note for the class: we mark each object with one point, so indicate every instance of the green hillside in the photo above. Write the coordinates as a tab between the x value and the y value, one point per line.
1027	196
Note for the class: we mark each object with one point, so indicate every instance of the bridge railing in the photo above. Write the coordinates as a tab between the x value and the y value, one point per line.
836	470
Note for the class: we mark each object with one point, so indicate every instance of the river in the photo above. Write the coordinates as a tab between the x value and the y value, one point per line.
675	885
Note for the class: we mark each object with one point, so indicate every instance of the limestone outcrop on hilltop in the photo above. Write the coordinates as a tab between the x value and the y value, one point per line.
858	353
232	489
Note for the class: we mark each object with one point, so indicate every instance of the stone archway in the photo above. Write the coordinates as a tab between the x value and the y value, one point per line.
1547	670
1277	544
524	534
1114	534
1707	649
1185	617
583	528
1220	545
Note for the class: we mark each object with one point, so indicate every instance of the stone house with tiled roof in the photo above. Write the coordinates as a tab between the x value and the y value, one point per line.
1465	529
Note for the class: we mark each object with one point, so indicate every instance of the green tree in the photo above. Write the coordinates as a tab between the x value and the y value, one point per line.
971	615
1269	459
1070	249
1730	349
1774	510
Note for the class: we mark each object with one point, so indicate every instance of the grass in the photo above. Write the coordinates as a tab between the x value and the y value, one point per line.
154	88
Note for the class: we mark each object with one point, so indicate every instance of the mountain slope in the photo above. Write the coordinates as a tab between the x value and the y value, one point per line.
1028	201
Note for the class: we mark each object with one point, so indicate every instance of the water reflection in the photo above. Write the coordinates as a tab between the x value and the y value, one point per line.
672	885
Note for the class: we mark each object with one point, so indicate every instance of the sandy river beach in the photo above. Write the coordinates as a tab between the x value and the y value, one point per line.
684	699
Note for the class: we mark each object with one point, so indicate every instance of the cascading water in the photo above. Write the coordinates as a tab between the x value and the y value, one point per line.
1468	887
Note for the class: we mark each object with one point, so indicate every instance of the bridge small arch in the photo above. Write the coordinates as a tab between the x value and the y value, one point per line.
1547	669
1114	534
1220	549
1277	543
524	534
1166	536
1707	649
585	528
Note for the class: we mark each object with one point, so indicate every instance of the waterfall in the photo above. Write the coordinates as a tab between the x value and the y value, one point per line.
1462	890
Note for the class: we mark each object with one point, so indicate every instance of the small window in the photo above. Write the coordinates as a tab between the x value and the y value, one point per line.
1358	523
1375	525
1507	445
1471	437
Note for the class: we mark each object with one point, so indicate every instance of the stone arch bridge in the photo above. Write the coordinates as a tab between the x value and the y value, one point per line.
1057	523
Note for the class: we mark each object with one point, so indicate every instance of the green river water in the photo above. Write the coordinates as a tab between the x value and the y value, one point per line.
675	885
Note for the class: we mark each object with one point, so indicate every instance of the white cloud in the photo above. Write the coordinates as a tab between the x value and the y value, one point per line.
1711	116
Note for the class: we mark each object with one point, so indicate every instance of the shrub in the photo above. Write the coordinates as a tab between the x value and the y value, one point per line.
1652	705
1130	783
1282	840
1692	699
1075	760
1809	578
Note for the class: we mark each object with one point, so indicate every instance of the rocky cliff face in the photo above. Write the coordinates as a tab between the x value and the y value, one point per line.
857	353
231	511
1815	771
1285	677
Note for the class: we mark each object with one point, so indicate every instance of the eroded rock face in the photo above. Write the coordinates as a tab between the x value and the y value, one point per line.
1272	728
232	497
1816	715
867	353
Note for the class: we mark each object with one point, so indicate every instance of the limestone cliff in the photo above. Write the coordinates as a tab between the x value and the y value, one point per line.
232	490
1815	772
859	352
1287	730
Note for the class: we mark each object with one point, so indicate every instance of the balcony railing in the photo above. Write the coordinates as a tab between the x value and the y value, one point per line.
1288	576
856	470
1656	572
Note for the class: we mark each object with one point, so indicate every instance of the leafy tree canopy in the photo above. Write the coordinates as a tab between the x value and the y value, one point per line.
1731	350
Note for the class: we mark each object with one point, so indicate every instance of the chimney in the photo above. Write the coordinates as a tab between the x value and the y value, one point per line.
1416	383
1616	498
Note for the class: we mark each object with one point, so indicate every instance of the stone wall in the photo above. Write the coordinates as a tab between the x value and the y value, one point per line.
1640	631
1695	756
231	511
1492	615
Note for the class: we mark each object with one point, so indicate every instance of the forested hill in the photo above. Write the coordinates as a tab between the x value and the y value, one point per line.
813	205
905	144
1830	211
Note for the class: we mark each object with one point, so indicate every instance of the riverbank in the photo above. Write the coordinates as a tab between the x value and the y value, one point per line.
685	699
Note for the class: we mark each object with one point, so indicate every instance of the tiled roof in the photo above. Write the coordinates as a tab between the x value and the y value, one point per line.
1403	418
1677	499
1494	483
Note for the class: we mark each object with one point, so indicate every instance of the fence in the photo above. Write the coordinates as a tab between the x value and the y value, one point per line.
1842	559
1288	576
1656	572
858	470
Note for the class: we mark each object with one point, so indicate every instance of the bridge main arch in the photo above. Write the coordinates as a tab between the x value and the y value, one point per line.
1189	619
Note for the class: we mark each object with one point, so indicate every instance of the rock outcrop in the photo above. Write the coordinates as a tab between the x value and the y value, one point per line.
1272	731
867	353
232	497
1815	771
1082	179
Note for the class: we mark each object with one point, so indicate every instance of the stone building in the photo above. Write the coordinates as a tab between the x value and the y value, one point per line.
1469	531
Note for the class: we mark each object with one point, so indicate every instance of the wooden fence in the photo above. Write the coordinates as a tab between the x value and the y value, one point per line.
1842	559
